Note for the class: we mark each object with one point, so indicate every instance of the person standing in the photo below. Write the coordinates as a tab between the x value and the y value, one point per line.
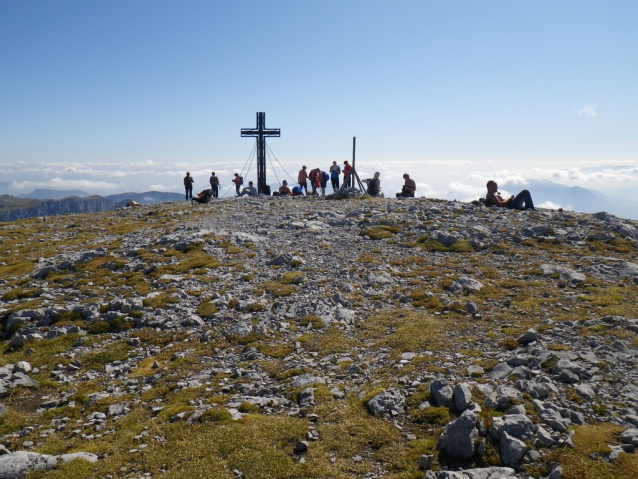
323	181
335	171
188	185
214	184
347	181
313	181
303	178
238	180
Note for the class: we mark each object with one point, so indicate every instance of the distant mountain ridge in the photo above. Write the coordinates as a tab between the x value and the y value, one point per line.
45	194
15	208
72	204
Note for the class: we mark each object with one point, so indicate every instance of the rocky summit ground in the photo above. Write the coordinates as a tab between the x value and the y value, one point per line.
318	338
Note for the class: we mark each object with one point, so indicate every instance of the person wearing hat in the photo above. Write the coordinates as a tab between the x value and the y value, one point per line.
188	185
347	181
284	190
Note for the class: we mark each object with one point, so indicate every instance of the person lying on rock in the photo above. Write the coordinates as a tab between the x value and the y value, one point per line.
522	201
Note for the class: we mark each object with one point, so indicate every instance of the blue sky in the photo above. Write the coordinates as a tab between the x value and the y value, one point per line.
111	95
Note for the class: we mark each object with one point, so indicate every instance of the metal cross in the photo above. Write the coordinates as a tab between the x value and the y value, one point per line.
261	132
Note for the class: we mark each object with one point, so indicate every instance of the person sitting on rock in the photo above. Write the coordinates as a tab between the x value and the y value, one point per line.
284	190
409	188
522	201
374	185
250	190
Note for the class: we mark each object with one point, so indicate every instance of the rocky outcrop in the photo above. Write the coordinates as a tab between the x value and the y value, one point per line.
489	345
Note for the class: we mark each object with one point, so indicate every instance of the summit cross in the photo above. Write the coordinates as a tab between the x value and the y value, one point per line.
261	132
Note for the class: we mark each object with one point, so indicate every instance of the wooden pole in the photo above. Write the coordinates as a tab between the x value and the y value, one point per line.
354	144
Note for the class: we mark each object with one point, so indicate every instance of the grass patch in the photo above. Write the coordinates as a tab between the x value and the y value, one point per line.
162	300
331	341
20	293
594	439
404	331
315	321
116	351
380	232
276	289
438	416
191	260
206	308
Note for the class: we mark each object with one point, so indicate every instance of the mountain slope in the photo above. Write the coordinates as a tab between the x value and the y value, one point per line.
91	204
14	208
304	337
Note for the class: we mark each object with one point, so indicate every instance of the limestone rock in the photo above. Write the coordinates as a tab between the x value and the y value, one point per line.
388	403
459	437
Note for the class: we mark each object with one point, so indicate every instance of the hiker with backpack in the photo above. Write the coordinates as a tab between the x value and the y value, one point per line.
522	201
323	181
203	197
374	185
188	185
313	181
335	171
238	180
214	184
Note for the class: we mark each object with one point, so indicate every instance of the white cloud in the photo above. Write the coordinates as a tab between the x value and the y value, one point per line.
423	189
160	188
554	206
61	184
588	110
463	192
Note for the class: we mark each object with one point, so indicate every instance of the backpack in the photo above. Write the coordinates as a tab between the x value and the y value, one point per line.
325	176
214	180
373	187
296	191
241	180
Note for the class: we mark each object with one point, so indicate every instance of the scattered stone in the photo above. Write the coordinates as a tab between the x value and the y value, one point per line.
389	403
459	437
512	450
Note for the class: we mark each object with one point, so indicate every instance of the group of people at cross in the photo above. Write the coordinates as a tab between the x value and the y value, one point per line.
319	179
